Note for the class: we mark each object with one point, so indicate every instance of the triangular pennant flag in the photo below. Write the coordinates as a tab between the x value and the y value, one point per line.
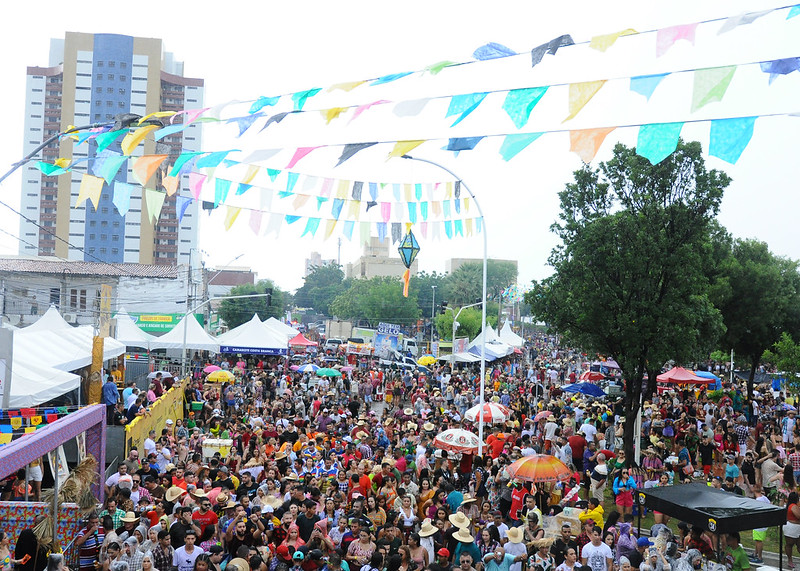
520	102
710	85
370	204
351	149
448	229
492	51
458	227
277	118
462	143
364	233
273	174
260	155
262	102
602	43
513	144
550	47
410	108
110	167
191	115
181	204
357	187
274	224
122	197
794	11
231	214
423	209
404	147
330	225
468	226
291	219
291	180
170	184
741	20
336	208
729	137
348	229
580	94
299	154
133	138
322	200
361	108
463	105
412	212
242	188
346	86
154	201
309	183
435	68
778	67
311	227
396	229
244	123
586	142
145	167
182	160
300	201
51	170
657	141
169	130
391	77
212	160
299	98
646	84
666	37
381	231
221	189
196	181
91	188
105	139
332	113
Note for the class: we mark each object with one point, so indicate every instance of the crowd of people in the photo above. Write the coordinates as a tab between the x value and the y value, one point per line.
341	474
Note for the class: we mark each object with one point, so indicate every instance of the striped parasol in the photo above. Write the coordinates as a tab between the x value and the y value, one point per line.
539	468
492	413
457	440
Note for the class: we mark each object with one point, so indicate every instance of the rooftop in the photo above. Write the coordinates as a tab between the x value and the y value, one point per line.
58	266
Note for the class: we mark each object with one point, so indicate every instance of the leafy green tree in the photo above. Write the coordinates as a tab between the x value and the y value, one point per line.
629	277
237	311
320	287
758	294
786	358
465	285
374	300
421	285
469	323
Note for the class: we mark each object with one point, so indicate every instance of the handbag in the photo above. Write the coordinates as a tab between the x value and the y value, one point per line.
688	470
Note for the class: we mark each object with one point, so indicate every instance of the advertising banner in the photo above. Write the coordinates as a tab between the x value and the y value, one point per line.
170	405
385	345
160	322
460	344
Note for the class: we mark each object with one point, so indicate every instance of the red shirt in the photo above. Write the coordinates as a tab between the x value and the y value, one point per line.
578	445
517	498
203	520
496	444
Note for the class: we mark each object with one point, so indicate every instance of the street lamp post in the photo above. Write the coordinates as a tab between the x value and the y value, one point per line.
456	323
433	307
195	308
483	299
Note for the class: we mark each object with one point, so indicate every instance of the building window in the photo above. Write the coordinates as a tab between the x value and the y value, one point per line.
83	299
121	91
91	236
112	63
123	64
110	76
109	103
98	90
99	64
99	76
115	250
123	78
109	90
121	104
73	299
55	297
97	103
102	250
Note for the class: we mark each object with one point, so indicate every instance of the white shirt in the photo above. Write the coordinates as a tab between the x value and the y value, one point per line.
596	556
185	561
588	431
149	446
502	530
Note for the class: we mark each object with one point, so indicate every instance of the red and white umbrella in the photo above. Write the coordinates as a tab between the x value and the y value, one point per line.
457	440
491	413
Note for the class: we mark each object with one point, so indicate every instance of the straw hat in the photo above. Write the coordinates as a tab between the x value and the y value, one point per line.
222	499
428	427
292	476
280	455
468	499
459	520
537	543
427	528
463	535
412	426
515	535
129	517
199	493
174	493
360	435
408	411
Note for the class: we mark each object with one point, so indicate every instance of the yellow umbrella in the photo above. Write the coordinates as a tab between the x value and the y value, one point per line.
426	360
220	376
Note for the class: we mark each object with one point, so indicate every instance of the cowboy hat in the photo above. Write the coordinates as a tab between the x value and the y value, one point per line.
199	493
408	411
129	517
515	535
428	427
174	493
412	426
222	498
468	499
463	535
548	541
427	528
459	520
292	476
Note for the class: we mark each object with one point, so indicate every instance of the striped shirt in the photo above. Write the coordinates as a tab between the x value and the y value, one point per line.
90	549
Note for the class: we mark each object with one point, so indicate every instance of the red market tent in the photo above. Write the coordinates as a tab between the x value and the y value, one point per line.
591	376
300	341
681	376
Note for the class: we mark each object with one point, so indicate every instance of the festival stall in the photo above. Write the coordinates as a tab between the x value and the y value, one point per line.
680	376
253	338
129	333
280	327
508	337
188	333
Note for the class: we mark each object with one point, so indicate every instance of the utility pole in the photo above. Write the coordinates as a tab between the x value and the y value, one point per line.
339	254
433	307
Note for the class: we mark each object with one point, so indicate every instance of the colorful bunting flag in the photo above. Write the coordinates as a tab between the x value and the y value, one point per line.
435	68
122	196
109	166
278	117
91	188
513	144
145	167
351	149
300	201
410	108
274	224
181	204
391	77
586	142
103	140
666	37
242	188
729	138
463	105
154	200
602	43
462	143
133	138
448	229
794	11
221	189
361	108
196	181
330	225
212	160
646	84
492	51
170	184
244	123
396	229
550	47
741	20
311	227
299	154
710	85
231	214
336	208
255	221
346	86
262	102
348	229
16	422
412	212
301	97
580	94
780	67
332	113
657	141
520	102
184	158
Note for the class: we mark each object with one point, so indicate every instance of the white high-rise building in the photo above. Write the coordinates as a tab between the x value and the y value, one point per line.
92	78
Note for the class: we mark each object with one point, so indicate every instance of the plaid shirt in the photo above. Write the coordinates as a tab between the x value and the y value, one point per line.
794	458
134	560
742	432
162	559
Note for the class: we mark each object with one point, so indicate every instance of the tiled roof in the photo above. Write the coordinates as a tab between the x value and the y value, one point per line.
55	266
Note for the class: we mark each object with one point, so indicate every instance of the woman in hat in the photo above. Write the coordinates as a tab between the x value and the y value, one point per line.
541	559
469	507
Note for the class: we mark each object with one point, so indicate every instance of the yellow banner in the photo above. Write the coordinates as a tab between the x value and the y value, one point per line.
170	405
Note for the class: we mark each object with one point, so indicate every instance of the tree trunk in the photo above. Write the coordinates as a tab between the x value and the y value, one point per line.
632	401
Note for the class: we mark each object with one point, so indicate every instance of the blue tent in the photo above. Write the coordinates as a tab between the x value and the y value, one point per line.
587	389
706	375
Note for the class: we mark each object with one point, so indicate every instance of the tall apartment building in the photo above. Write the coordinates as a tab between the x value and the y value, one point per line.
92	78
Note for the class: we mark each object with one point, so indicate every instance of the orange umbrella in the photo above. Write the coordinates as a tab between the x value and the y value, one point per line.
539	468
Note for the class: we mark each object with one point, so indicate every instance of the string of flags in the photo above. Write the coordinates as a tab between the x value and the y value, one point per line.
24	421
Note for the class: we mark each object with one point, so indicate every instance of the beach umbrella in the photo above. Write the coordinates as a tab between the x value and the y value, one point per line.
539	468
540	415
492	413
426	360
211	369
308	368
347	369
220	376
457	440
587	389
165	374
325	372
591	376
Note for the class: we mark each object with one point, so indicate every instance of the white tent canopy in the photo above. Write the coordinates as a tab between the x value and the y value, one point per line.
129	333
281	327
195	335
32	385
495	348
253	337
460	358
508	337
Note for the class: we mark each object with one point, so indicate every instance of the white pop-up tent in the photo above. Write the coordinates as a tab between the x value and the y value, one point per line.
254	338
508	337
129	333
495	348
281	328
32	385
190	330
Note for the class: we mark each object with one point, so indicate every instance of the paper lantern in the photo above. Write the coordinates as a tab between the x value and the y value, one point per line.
409	248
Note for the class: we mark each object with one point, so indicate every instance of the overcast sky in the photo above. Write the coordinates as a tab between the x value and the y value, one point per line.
246	49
